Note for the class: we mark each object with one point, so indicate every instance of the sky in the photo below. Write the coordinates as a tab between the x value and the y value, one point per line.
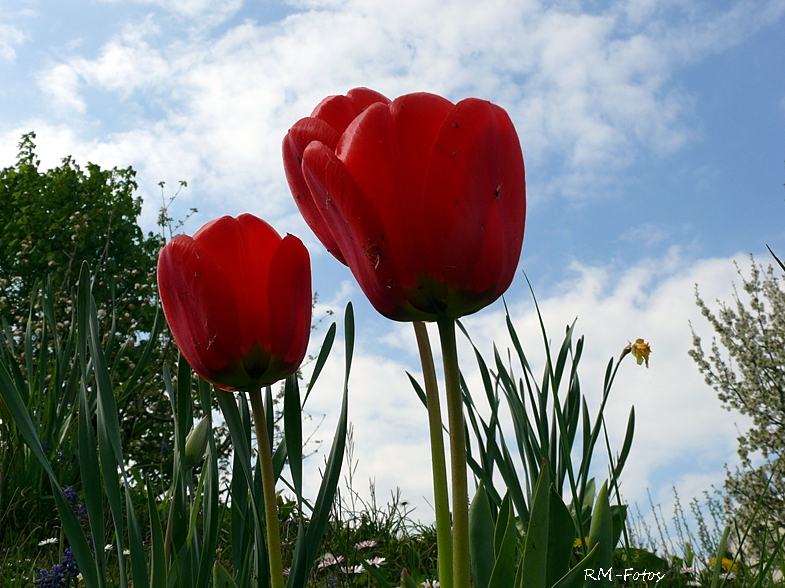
653	133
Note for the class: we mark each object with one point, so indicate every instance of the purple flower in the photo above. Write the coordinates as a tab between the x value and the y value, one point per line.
73	499
61	574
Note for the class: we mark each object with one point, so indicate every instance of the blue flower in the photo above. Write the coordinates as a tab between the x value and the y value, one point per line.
61	574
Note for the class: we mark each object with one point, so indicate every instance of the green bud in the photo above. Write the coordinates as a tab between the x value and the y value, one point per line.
196	443
406	579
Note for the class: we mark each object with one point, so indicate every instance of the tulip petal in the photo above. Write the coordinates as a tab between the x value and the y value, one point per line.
244	248
340	111
290	304
475	166
369	152
297	139
357	227
416	120
200	309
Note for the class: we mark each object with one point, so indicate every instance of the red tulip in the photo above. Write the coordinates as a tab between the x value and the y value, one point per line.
423	199
237	298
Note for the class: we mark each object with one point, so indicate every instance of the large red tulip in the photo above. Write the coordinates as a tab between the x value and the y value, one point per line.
237	298
423	199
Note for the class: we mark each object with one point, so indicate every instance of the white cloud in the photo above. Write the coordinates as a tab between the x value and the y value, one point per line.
203	13
10	37
646	234
588	92
683	437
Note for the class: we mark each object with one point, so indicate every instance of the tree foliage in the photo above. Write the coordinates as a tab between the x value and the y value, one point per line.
746	366
50	223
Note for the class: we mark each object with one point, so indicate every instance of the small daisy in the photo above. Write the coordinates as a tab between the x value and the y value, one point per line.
47	541
328	560
367	543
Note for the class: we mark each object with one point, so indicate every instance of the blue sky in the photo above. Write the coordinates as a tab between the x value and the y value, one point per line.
653	133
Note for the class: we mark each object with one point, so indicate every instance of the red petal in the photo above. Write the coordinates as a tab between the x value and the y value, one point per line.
297	139
200	309
369	151
290	305
476	165
416	120
340	111
243	248
357	227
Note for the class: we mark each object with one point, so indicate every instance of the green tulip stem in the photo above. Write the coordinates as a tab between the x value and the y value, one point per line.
460	494
440	495
268	487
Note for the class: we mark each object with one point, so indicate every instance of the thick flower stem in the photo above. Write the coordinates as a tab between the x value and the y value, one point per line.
440	495
268	487
460	494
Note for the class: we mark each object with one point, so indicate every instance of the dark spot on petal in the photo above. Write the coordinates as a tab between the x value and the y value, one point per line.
455	125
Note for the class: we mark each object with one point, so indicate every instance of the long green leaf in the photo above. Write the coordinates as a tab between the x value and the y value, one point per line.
505	539
302	564
535	551
292	417
157	554
91	480
324	352
601	532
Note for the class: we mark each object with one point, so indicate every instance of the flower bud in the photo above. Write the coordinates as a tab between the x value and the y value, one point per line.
196	443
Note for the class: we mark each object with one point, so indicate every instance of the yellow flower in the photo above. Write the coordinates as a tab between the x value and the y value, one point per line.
641	350
726	564
577	542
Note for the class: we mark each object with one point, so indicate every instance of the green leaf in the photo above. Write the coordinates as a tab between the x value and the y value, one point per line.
157	554
481	543
506	539
577	576
601	531
241	444
301	565
211	510
715	578
561	536
625	450
73	530
292	417
221	578
535	551
91	478
324	352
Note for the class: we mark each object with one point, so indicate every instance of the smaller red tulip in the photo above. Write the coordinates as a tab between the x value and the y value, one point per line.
237	298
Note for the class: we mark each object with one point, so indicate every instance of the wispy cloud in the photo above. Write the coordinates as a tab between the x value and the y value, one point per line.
589	92
682	435
10	38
